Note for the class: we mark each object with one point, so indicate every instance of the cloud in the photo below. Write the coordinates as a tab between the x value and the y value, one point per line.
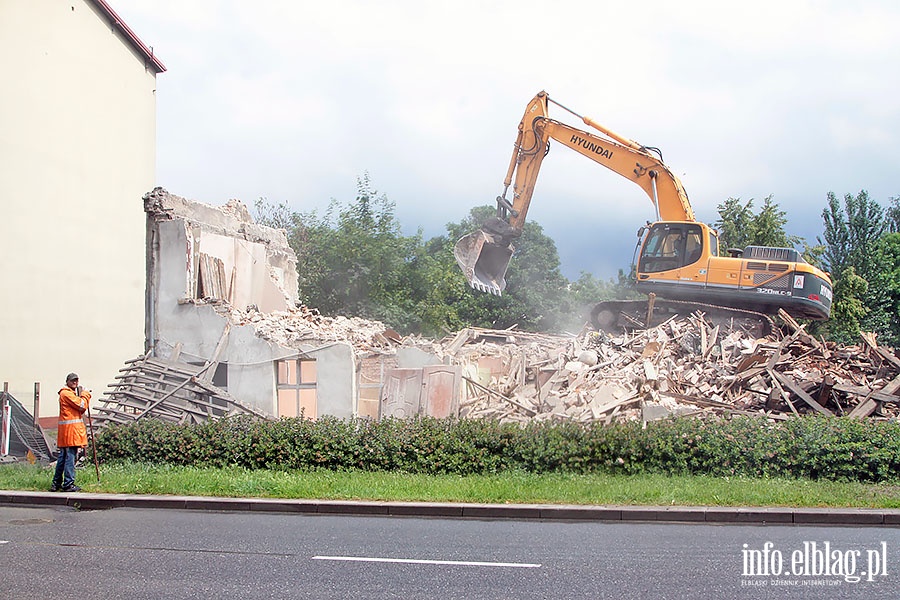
293	101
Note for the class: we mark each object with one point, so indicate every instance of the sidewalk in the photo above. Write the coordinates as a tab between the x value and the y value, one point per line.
673	514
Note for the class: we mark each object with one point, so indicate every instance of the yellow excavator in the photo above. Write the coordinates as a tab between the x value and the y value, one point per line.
679	266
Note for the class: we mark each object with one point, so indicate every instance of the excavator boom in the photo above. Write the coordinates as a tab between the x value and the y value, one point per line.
484	255
679	259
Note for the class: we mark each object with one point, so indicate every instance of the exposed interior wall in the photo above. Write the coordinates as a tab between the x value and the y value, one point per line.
260	270
78	148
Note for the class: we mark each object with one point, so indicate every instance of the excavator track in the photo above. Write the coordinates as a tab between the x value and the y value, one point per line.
614	316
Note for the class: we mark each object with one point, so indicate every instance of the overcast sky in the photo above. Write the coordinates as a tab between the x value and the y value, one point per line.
294	100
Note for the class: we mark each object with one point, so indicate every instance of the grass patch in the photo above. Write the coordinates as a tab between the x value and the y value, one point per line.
504	487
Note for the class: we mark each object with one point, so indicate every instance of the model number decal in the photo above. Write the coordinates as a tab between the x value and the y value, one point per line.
825	291
774	292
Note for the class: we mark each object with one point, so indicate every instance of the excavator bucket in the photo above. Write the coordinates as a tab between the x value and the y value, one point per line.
483	261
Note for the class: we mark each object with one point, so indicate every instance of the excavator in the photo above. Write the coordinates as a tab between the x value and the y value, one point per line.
678	267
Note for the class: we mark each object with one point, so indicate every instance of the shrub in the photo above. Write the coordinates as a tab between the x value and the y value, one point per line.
812	447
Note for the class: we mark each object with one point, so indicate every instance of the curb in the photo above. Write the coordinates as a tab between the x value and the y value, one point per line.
554	512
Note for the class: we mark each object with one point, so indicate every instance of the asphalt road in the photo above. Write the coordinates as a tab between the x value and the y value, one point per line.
141	553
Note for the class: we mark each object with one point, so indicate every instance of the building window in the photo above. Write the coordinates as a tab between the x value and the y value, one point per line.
297	388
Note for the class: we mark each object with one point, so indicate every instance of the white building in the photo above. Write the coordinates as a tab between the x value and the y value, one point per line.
77	153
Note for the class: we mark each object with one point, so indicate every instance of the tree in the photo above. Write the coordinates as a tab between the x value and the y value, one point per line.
536	297
851	232
892	214
734	224
353	260
768	227
849	308
883	298
856	248
739	226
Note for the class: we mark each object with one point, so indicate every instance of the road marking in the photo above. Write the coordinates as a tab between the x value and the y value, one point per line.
4	541
415	561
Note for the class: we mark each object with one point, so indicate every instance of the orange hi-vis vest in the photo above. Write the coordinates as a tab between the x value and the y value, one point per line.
71	431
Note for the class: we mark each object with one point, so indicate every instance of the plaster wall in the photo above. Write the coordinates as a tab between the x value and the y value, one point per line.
246	272
78	146
414	358
199	327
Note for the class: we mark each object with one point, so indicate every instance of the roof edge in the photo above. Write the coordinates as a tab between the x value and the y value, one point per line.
130	36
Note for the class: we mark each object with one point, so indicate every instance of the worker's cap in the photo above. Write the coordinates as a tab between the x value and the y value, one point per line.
71	377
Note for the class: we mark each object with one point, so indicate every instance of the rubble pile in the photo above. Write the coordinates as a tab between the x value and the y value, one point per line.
305	326
683	366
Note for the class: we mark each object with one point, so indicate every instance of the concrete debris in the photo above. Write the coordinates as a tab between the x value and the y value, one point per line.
685	366
301	327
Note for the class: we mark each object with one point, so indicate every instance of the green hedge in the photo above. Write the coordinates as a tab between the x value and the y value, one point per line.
810	447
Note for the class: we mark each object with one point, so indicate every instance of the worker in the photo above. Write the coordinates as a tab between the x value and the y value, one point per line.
71	434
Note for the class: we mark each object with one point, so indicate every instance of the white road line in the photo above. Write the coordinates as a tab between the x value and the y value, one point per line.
4	541
415	561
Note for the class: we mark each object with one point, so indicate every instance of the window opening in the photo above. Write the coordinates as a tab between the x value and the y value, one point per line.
297	384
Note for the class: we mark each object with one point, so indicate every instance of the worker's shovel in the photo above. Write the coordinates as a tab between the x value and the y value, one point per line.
93	440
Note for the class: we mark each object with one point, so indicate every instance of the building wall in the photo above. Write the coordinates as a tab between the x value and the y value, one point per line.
195	326
77	152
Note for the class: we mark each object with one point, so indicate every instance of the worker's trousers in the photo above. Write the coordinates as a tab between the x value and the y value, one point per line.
65	467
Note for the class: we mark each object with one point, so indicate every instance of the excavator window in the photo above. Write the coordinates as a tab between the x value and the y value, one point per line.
671	246
713	244
693	245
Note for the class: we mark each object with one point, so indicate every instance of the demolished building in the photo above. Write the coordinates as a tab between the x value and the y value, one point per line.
225	333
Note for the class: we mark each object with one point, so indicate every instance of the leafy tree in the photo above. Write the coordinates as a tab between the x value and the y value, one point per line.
892	214
739	226
768	227
441	297
883	299
353	260
851	232
849	308
279	216
734	224
536	296
587	290
813	254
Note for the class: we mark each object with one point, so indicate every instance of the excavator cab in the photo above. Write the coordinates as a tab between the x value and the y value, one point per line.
484	258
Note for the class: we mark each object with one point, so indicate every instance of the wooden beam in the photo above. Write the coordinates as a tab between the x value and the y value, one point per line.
529	411
792	385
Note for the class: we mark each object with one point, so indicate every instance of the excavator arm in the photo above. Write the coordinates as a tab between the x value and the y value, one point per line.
485	254
679	259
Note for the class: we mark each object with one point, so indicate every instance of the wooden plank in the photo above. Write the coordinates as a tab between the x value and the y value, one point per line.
209	369
165	366
786	396
868	405
215	392
714	337
864	408
869	340
477	385
614	404
800	331
792	385
696	400
776	355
